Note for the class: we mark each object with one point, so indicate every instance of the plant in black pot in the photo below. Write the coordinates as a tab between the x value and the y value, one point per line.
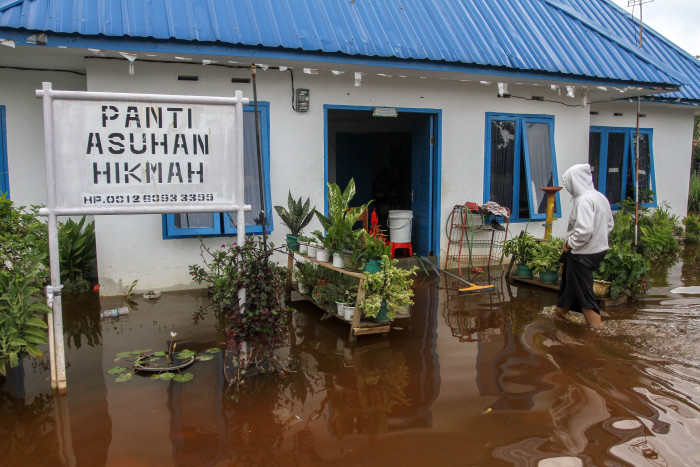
295	216
521	248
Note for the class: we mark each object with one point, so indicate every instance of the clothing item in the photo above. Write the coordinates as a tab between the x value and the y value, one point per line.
576	285
495	209
591	219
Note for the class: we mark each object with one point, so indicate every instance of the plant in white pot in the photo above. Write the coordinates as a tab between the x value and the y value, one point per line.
341	219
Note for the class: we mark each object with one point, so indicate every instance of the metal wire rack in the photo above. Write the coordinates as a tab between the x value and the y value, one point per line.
473	238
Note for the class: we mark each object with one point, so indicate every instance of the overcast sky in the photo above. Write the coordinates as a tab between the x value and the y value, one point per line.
677	20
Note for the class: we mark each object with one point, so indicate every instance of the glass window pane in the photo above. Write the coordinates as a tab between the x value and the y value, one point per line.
250	160
594	139
194	221
644	162
502	162
540	156
616	157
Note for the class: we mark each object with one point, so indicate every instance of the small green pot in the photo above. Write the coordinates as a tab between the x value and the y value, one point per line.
292	242
382	316
549	277
524	272
373	266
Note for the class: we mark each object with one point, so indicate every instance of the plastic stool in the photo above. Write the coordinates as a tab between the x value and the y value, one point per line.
401	246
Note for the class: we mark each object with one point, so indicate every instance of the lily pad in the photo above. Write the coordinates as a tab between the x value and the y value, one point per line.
116	370
123	377
159	354
213	350
185	354
183	378
166	376
204	357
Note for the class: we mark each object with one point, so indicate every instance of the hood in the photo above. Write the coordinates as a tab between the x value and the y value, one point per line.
578	179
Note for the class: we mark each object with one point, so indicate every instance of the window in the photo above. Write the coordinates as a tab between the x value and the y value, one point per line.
4	173
520	159
208	225
611	155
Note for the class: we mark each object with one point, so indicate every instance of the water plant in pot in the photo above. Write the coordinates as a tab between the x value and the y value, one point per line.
521	248
545	259
387	291
341	219
295	216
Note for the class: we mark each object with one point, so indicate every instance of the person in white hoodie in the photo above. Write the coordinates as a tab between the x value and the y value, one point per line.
586	243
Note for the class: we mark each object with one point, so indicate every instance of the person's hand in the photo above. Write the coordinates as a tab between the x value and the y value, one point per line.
565	247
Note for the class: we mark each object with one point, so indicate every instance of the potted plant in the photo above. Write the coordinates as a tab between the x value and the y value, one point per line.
624	269
322	246
387	291
341	219
373	247
545	259
296	216
328	296
521	248
307	274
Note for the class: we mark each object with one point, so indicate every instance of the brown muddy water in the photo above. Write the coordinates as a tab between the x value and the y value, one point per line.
468	380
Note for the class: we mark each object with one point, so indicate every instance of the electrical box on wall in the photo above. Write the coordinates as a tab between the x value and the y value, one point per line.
302	100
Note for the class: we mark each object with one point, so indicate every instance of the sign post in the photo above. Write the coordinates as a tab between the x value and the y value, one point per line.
117	153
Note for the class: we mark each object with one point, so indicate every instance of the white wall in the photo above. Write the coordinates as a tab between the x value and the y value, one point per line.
25	129
132	247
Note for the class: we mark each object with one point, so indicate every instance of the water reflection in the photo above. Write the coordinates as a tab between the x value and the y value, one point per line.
485	379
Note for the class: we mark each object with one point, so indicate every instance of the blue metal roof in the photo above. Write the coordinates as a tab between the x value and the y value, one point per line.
577	38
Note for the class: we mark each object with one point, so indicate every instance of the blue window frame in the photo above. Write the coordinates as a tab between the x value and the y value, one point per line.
4	172
519	159
220	224
611	155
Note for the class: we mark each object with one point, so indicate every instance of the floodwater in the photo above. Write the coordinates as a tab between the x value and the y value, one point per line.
468	380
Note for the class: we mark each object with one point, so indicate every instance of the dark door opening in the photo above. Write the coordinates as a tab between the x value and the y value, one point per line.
390	159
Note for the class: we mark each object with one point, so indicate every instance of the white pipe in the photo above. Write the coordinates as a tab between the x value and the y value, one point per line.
131	97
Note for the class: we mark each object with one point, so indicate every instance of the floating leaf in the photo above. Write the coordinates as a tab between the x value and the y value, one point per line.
123	355
204	357
183	378
185	354
213	350
139	352
159	354
123	377
116	370
166	376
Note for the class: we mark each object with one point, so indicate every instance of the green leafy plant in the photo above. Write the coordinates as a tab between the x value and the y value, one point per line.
546	255
78	254
391	285
327	295
339	224
624	269
307	273
692	228
296	215
694	192
521	248
23	252
260	320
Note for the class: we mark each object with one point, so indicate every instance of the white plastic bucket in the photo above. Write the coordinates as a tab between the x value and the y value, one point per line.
400	223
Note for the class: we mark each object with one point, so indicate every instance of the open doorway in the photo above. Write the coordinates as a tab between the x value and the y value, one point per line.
393	160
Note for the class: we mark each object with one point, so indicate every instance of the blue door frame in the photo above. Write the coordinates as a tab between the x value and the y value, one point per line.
435	199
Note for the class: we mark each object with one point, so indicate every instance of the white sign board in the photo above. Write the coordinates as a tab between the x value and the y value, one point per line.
157	153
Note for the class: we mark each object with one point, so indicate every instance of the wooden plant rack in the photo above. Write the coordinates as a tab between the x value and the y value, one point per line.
358	326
